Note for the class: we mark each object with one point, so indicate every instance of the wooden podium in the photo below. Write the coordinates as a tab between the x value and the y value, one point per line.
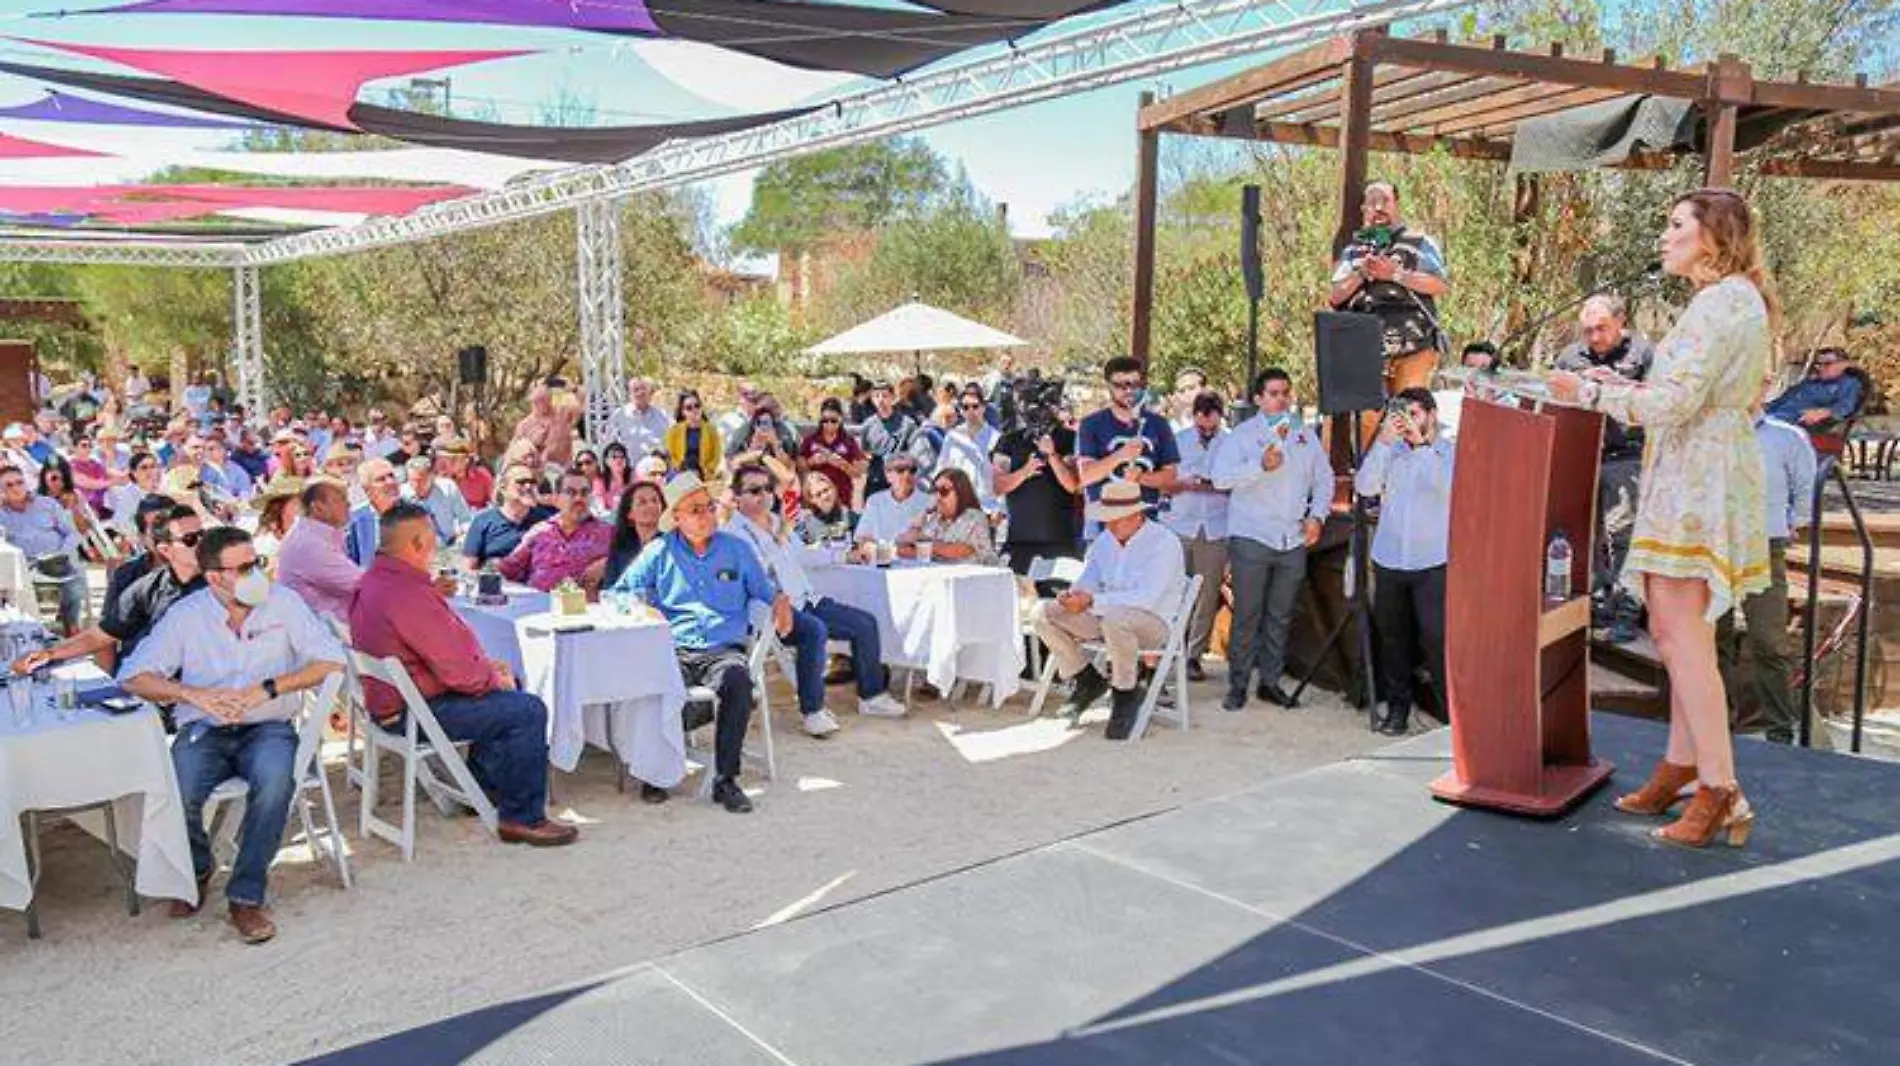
1518	671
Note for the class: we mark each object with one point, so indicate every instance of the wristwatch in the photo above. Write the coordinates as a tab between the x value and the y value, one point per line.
1588	392
270	687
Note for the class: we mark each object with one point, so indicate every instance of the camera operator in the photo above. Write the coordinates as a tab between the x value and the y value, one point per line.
1036	477
1396	273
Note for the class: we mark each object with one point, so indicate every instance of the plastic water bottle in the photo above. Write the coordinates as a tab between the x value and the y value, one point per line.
1557	569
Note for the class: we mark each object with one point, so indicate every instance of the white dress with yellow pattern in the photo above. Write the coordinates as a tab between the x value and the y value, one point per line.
1702	508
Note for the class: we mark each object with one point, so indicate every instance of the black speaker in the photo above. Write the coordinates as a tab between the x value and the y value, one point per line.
1349	354
474	364
1250	242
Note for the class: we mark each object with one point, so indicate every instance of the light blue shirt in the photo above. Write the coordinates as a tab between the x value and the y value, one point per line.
448	511
1268	506
361	535
1194	514
230	477
706	598
41	528
1414	490
194	644
1788	459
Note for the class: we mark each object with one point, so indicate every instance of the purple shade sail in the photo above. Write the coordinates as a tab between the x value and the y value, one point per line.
606	16
64	107
44	219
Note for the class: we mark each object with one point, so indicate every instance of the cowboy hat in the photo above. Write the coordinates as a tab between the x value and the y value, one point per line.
1119	499
676	491
281	485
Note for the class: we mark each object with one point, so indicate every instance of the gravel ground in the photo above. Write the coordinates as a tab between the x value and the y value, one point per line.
471	922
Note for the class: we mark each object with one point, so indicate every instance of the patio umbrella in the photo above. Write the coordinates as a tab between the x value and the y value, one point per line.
915	327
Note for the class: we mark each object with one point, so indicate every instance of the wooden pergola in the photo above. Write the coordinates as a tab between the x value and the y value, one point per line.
1370	91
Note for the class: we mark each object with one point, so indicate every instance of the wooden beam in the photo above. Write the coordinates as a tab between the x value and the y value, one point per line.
1470	87
1308	66
1504	123
1324	105
1316	136
1147	156
1355	126
1872	101
1729	83
1533	66
1501	109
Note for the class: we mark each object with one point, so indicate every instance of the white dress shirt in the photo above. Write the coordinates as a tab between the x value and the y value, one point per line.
1148	572
1268	506
970	453
1414	490
779	559
1194	514
194	643
885	516
1787	457
638	431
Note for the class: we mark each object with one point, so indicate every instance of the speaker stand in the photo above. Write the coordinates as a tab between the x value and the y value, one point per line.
1363	694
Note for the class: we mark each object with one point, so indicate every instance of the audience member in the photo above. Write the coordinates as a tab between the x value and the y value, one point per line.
1197	513
1827	397
890	512
968	444
611	477
956	528
43	529
824	516
132	610
381	491
572	545
691	444
444	502
1124	442
887	434
832	453
313	561
495	533
636	525
638	426
1755	656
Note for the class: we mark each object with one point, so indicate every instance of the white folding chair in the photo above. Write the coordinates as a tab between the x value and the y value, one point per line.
1042	569
1170	666
765	645
421	740
223	808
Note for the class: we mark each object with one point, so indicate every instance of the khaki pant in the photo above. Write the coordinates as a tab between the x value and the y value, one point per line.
1125	631
1408	371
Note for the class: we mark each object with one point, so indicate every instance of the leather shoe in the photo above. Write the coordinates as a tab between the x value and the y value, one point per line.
1123	709
728	794
1088	686
1194	671
253	925
546	833
1234	701
1394	724
652	794
181	909
1274	694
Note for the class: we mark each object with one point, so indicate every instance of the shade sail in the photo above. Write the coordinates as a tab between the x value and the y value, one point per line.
130	204
875	41
318	87
915	327
64	107
24	148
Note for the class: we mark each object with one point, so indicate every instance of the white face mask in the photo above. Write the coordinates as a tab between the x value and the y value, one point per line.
252	589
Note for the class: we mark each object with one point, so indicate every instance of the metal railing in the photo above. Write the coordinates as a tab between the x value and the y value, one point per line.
1831	469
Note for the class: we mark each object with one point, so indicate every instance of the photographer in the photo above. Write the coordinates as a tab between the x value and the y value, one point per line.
1396	273
1037	481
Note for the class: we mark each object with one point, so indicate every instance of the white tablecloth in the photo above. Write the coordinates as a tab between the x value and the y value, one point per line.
955	620
96	756
622	674
16	580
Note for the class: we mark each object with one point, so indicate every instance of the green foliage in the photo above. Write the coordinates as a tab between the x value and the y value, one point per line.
754	337
797	202
958	257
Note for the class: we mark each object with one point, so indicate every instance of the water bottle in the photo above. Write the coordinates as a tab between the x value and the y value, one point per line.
1557	569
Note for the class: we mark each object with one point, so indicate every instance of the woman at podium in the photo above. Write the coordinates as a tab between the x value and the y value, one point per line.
1699	546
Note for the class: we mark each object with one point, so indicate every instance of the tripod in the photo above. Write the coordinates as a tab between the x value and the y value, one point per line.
1357	612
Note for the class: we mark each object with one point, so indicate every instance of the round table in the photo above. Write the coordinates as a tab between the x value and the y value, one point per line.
955	620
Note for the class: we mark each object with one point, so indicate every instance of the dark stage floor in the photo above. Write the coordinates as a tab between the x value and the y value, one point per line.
1335	917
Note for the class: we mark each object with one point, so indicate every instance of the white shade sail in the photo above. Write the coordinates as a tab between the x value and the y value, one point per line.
915	327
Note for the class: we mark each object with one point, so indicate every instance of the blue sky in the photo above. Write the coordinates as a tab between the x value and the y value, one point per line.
1035	159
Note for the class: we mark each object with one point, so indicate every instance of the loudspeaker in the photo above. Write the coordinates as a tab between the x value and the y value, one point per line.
1349	354
1250	242
474	364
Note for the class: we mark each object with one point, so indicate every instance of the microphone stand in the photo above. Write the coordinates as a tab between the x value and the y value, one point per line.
1650	272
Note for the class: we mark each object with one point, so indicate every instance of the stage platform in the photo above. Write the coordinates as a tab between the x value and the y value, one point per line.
1334	917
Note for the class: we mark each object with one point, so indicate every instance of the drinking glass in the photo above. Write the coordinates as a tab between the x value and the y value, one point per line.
65	697
924	551
20	695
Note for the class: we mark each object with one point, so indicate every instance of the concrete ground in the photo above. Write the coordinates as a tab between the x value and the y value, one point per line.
471	922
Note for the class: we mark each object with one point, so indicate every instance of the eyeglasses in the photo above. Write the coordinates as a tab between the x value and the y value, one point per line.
589	462
946	490
903	471
243	569
573	490
521	482
756	490
972	407
1125	385
689	407
189	540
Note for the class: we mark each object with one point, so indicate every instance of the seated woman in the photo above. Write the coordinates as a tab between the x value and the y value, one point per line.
612	478
636	524
825	517
56	483
954	525
692	444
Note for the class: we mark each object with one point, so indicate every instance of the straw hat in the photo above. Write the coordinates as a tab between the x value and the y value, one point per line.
279	486
676	491
1119	499
453	446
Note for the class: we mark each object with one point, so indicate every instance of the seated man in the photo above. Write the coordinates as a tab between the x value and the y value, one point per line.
572	544
312	562
1481	356
495	533
704	582
1827	397
381	491
398	611
229	658
1131	580
44	530
129	616
439	497
889	512
815	618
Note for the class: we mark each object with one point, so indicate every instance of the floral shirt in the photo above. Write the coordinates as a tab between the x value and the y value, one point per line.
972	527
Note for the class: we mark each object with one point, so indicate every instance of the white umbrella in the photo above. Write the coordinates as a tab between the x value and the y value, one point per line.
915	327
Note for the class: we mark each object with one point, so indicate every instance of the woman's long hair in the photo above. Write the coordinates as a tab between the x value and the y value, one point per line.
625	538
1730	244
965	490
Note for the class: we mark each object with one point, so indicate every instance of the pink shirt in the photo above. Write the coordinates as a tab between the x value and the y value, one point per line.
398	611
311	562
549	555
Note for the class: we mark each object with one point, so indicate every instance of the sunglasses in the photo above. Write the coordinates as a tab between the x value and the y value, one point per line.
903	471
689	407
589	462
972	407
756	490
189	540
830	422
946	490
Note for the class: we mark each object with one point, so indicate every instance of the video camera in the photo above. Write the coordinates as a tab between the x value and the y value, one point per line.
1031	405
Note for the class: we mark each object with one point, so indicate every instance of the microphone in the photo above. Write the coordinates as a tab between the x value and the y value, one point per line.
1650	272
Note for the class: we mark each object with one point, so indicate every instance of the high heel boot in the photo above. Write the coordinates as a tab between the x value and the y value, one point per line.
1713	812
1661	792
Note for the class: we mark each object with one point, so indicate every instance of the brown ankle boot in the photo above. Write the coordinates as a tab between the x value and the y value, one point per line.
1661	792
1713	812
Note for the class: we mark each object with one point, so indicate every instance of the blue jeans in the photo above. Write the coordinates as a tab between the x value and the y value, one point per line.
507	731
820	622
264	754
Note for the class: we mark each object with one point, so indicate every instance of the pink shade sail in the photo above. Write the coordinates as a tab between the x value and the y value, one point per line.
611	16
132	204
12	147
318	87
143	213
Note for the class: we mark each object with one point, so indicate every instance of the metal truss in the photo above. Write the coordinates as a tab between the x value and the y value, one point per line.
603	312
121	252
1141	44
247	338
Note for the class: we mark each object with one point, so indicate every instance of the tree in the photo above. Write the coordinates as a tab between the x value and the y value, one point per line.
958	257
798	201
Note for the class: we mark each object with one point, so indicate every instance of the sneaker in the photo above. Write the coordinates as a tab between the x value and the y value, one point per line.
882	706
727	793
1087	687
1194	671
820	723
